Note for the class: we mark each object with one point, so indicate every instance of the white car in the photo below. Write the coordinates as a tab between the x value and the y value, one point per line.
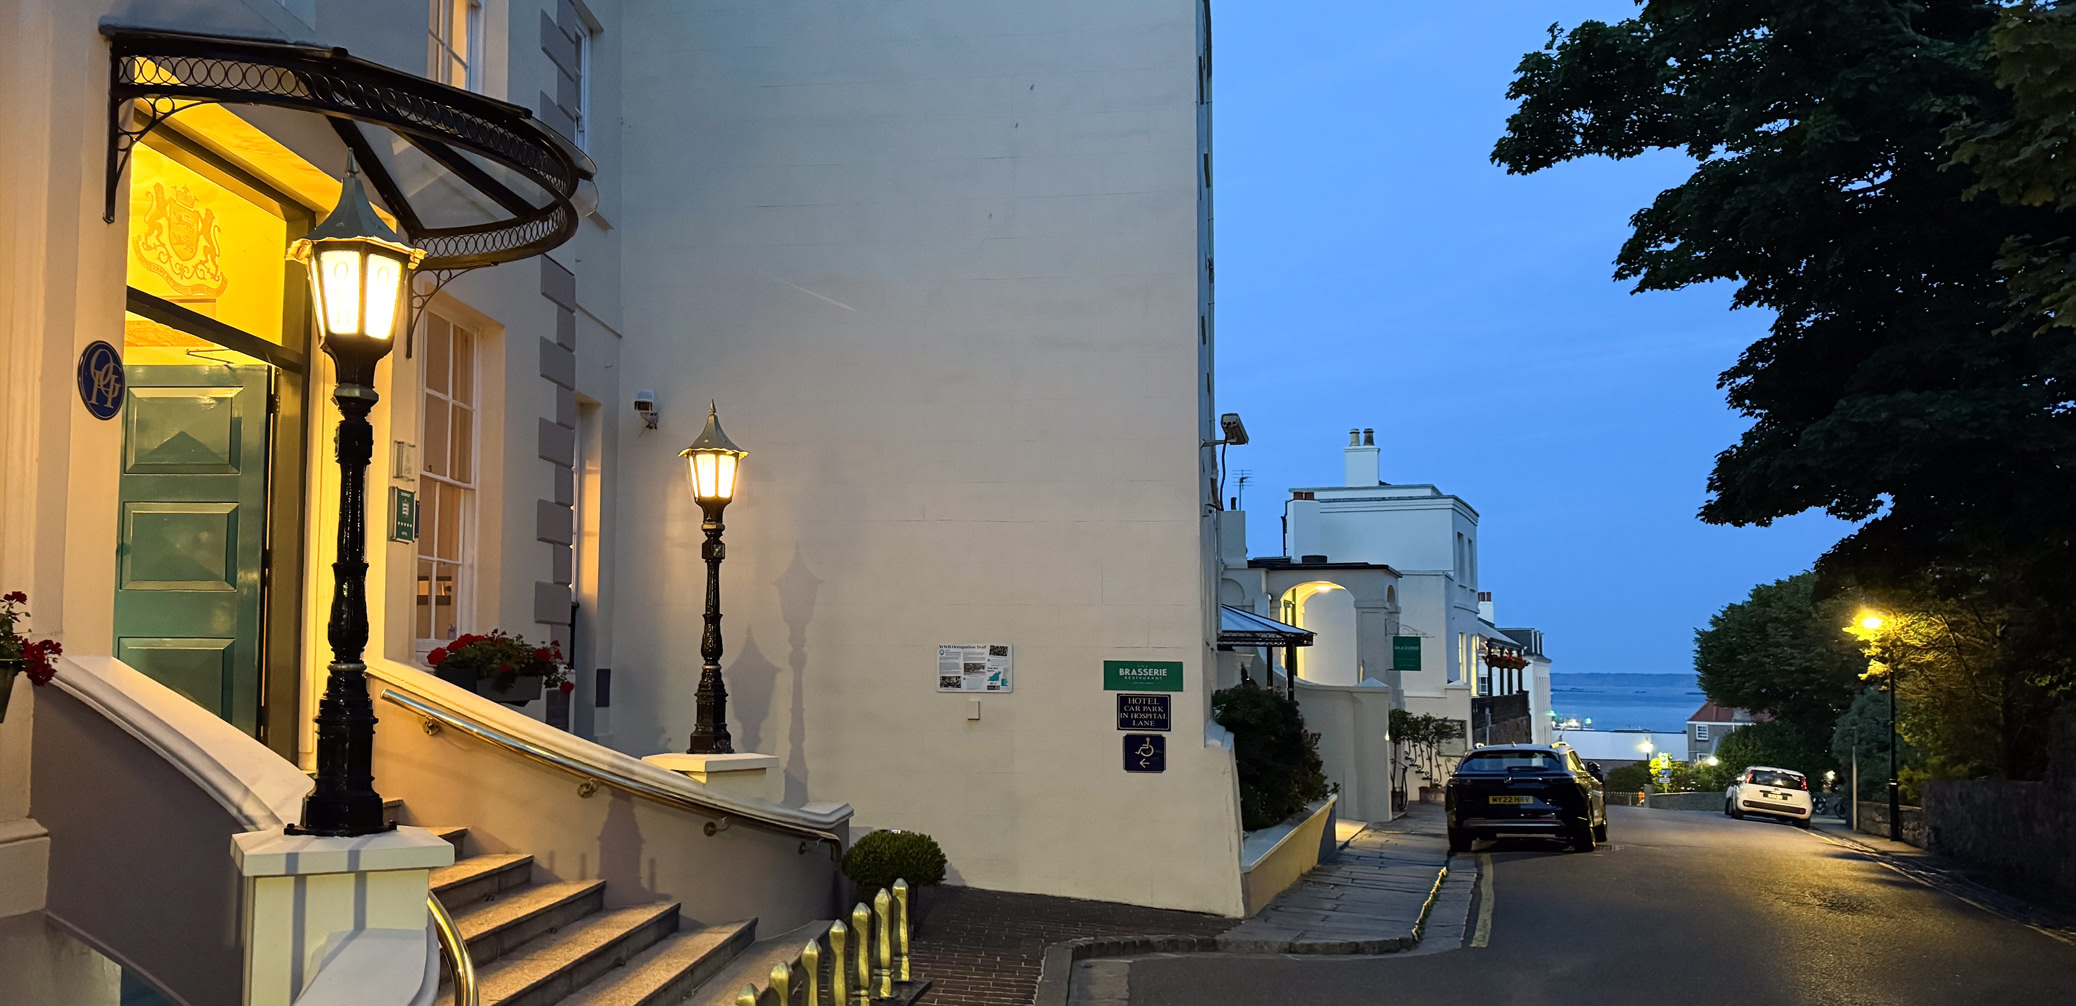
1769	792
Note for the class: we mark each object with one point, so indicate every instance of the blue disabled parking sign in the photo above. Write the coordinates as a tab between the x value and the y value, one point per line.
1145	753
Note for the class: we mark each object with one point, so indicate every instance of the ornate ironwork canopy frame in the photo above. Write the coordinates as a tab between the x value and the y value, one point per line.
154	75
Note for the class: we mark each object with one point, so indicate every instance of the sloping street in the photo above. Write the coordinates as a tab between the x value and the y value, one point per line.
1680	906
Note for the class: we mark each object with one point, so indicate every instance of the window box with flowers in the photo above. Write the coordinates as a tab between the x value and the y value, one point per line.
18	653
504	668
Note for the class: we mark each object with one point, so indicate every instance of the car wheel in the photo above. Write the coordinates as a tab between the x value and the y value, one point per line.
1726	808
1459	841
1600	832
1735	813
1804	823
1582	839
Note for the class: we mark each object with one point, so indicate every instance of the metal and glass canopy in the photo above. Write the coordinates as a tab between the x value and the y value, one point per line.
1240	627
499	152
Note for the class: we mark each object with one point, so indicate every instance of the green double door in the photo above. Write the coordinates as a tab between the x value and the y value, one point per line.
192	533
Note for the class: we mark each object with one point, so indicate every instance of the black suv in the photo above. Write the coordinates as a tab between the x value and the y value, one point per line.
1526	789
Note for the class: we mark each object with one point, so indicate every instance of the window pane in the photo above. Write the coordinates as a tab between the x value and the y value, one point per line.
423	622
462	459
436	435
444	592
464	355
451	504
437	333
427	508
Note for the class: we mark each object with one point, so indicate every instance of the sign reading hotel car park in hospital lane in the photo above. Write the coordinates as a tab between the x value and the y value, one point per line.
1142	675
1144	712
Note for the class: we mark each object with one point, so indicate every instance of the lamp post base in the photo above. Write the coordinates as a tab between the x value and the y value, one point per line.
710	730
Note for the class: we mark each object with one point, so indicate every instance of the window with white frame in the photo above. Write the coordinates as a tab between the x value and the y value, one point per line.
585	38
454	45
446	482
1700	731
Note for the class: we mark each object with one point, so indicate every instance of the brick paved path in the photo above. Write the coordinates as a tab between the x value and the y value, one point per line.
983	948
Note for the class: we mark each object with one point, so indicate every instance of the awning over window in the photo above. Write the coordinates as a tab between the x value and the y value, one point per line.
1240	627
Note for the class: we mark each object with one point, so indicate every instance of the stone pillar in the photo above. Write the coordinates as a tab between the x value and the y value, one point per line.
307	899
745	775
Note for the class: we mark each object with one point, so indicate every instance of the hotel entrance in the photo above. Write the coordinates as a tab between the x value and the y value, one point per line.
215	342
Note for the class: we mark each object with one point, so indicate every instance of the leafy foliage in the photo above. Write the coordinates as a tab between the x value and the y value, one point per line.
1777	743
1629	778
877	860
1277	758
1892	179
500	659
35	655
1968	704
1865	727
2029	159
1417	742
1781	652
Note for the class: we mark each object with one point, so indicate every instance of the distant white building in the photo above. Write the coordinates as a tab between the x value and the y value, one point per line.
1709	724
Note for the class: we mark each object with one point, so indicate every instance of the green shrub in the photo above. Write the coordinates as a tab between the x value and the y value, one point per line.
1628	778
1277	759
877	860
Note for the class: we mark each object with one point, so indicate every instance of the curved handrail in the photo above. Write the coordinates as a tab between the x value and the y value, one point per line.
457	951
726	812
260	789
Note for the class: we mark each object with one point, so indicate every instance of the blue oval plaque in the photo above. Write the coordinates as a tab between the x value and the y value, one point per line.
101	381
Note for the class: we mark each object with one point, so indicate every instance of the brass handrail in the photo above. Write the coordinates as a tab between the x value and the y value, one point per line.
593	776
457	951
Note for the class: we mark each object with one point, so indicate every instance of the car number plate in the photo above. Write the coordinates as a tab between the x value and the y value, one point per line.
1510	799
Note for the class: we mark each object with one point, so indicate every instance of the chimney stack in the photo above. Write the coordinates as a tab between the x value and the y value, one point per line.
1360	459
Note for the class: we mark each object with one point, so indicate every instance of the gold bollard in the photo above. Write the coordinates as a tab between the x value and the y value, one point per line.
839	982
901	933
747	997
861	923
782	983
882	907
811	962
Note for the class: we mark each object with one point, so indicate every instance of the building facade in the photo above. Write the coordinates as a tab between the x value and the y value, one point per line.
1710	724
944	269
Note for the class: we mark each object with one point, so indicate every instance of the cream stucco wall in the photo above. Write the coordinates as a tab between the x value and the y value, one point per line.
940	264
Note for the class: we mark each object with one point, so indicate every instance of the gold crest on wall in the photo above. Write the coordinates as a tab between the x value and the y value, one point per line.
180	242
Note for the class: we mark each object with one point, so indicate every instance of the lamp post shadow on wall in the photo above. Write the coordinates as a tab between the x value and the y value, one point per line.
712	461
360	275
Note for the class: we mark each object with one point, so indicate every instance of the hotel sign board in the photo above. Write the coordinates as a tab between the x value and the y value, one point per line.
1142	675
1145	712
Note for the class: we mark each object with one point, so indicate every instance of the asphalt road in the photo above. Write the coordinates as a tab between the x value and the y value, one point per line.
1680	907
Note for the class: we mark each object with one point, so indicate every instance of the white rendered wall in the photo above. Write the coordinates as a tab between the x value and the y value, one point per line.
939	264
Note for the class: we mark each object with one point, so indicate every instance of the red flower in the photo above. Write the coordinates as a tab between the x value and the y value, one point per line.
505	668
568	687
438	654
541	654
17	597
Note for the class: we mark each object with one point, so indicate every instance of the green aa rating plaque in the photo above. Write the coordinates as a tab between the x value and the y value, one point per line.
1142	675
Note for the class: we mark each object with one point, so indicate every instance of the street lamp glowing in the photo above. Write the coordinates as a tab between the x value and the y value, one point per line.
1645	747
712	460
1871	623
1711	761
360	272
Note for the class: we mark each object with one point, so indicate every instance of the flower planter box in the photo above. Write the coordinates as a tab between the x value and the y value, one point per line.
525	688
9	669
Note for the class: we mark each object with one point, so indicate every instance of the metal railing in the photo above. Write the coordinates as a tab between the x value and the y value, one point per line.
592	776
457	951
868	961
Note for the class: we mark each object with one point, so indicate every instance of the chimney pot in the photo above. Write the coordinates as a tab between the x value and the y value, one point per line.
1369	437
1354	438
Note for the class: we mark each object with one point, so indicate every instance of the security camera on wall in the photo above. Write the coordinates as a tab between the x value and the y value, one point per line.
1235	433
645	407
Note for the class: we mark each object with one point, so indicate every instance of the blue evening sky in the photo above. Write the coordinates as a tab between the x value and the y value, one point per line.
1375	269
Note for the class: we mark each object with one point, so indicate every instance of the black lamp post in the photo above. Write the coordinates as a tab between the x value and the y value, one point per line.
1895	785
360	275
712	463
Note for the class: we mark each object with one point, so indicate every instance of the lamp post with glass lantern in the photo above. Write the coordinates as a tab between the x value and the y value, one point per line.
712	461
1869	628
360	276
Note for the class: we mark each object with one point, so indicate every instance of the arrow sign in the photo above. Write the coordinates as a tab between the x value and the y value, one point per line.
1145	753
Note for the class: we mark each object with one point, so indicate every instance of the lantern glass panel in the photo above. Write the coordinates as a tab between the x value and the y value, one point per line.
713	476
338	282
385	284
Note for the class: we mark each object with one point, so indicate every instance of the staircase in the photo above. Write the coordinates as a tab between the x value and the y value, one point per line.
546	942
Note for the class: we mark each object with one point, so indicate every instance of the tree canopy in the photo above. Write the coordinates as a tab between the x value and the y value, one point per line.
1784	653
1900	383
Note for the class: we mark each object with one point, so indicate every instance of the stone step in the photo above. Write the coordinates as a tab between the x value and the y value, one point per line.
453	833
392	811
496	927
543	972
753	967
672	969
480	878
